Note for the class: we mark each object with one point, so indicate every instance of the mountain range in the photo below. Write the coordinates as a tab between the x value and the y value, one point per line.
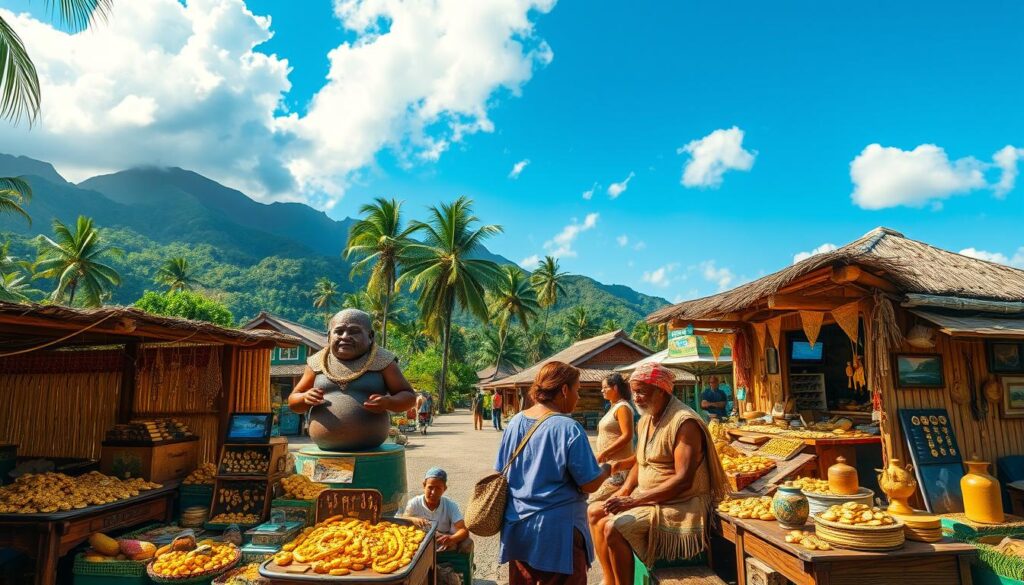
254	256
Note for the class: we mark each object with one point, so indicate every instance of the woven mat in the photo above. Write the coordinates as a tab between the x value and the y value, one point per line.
1010	523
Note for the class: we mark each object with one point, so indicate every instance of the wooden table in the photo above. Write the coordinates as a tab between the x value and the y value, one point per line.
47	537
826	450
917	563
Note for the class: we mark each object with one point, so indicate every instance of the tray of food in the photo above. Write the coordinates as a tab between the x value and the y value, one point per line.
779	448
859	527
187	561
55	496
349	549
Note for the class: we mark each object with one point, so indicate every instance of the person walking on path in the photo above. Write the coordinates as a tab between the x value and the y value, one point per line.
544	537
478	411
496	404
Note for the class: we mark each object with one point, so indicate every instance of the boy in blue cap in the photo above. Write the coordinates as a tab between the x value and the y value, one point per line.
434	507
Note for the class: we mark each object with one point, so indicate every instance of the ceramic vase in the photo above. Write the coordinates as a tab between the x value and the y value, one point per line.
899	484
983	501
842	478
790	507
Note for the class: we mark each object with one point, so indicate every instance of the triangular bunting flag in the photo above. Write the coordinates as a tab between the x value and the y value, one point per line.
812	324
716	341
760	332
846	317
775	328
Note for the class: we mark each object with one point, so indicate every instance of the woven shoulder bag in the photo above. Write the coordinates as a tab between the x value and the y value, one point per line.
486	510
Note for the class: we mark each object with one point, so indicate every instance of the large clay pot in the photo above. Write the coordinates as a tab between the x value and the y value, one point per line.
983	501
842	478
899	484
341	423
790	507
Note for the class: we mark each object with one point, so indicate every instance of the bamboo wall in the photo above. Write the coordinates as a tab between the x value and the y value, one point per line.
251	378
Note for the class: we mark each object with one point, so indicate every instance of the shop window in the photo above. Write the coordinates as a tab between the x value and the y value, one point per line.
288	353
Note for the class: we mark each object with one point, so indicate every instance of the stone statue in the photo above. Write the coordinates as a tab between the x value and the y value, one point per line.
349	387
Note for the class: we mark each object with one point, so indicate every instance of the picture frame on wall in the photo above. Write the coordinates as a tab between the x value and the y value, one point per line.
918	370
1005	357
771	360
1013	396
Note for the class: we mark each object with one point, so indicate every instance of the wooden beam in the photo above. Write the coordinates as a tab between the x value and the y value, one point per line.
706	324
126	399
799	302
228	382
814	277
856	274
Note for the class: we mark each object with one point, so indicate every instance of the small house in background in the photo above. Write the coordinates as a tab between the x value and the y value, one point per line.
492	374
287	363
596	358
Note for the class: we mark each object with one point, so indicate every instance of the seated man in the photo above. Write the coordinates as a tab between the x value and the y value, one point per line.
433	506
663	509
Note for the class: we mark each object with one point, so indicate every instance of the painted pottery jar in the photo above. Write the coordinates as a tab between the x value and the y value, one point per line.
983	501
790	507
341	423
899	484
842	478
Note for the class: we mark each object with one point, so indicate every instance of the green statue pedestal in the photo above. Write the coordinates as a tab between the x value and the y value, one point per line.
382	469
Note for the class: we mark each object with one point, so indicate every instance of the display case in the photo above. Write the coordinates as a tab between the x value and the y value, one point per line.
808	390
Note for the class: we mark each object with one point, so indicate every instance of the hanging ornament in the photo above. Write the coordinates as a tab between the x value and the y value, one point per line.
716	341
847	317
812	324
761	333
775	328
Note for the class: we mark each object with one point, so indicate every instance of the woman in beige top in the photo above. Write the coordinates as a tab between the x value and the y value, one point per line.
615	434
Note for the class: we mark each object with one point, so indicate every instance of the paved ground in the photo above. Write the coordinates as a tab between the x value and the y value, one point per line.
467	456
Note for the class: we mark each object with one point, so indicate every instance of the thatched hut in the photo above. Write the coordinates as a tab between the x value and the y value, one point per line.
67	375
933	330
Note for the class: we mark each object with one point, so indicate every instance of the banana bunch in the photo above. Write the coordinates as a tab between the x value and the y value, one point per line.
854	514
744	508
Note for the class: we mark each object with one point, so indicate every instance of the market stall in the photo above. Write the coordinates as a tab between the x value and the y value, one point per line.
119	406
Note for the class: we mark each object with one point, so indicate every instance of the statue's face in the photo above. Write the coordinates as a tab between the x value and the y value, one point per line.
350	335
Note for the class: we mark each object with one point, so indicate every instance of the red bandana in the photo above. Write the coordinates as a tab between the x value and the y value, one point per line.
654	374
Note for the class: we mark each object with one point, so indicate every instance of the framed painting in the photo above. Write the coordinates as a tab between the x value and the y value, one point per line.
918	370
1005	357
1013	396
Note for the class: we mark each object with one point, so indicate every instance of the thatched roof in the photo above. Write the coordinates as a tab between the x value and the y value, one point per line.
576	354
311	337
911	266
31	325
493	374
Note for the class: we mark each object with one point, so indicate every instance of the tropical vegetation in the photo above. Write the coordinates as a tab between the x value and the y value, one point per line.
188	304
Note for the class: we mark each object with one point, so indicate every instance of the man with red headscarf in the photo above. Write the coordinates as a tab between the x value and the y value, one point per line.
662	512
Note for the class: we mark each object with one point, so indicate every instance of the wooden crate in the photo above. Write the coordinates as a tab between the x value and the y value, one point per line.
738	481
759	573
261	492
276	453
159	462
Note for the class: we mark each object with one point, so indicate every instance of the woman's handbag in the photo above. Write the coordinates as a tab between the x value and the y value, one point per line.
486	510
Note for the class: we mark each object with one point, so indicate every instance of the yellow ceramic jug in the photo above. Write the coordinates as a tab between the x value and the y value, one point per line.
983	501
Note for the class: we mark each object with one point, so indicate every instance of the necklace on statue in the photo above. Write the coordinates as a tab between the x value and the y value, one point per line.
343	380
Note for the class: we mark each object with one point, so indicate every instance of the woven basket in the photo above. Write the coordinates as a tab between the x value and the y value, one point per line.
866	538
108	568
200	578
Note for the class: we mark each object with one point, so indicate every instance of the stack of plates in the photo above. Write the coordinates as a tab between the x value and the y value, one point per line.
193	516
921	526
866	538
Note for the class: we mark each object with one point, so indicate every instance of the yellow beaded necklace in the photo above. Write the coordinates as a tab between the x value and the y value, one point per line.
343	380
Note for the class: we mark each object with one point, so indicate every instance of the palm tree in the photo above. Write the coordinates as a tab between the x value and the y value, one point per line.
76	259
548	279
176	274
578	325
512	299
325	294
539	345
494	349
379	242
415	333
15	278
442	268
14	192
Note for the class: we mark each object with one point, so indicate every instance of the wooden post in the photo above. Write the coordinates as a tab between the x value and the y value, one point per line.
126	399
227	391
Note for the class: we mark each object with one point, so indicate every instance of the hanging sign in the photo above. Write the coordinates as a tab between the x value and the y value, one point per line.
361	504
812	325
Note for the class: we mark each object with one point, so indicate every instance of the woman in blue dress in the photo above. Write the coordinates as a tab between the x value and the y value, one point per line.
545	537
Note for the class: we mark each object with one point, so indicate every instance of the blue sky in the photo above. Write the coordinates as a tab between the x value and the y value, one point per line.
592	93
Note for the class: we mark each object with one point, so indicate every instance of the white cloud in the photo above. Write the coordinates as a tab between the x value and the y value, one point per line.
530	262
589	193
517	168
713	155
661	275
640	246
1017	260
616	189
560	246
721	277
1006	159
623	240
889	177
206	100
826	247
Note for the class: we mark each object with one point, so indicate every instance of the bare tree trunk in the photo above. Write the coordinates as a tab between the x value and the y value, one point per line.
443	390
501	349
387	309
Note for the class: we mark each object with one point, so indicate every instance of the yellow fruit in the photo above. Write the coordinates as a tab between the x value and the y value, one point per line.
104	544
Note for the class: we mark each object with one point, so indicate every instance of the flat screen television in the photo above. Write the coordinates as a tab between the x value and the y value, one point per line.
249	427
802	351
